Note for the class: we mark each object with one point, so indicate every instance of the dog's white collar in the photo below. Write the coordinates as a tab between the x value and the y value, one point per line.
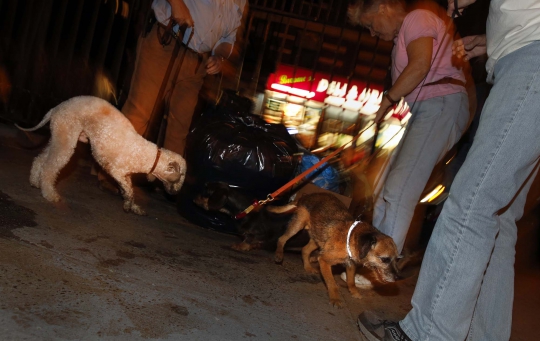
349	237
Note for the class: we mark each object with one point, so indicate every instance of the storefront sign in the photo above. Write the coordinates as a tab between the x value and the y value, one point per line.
337	91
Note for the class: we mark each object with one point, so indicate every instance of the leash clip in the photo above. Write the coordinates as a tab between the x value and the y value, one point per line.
269	198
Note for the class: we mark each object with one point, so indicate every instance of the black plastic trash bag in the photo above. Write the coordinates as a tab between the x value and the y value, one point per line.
229	144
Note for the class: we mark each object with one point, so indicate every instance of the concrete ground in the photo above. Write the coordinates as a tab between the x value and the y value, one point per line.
85	270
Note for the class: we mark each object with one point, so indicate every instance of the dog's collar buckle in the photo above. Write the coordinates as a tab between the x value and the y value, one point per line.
155	161
356	222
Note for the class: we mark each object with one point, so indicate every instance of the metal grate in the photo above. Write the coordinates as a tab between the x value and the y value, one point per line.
51	50
312	35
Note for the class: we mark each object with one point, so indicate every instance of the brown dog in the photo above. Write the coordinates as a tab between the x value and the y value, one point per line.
331	229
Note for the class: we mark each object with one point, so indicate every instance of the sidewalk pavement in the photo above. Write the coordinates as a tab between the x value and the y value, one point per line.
85	270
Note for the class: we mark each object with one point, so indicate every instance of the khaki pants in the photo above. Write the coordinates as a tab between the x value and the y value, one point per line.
150	68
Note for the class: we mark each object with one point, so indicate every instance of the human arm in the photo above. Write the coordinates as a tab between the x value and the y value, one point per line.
226	48
222	52
461	6
180	13
419	52
470	47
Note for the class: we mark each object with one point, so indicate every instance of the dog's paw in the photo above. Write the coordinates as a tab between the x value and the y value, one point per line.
356	294
311	270
52	197
129	207
336	303
138	210
241	247
278	258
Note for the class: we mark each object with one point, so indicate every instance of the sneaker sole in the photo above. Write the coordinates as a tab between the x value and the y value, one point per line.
366	334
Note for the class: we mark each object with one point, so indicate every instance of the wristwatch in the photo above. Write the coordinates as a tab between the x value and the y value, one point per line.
390	99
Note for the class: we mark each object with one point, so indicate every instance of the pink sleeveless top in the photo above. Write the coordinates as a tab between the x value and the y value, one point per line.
418	24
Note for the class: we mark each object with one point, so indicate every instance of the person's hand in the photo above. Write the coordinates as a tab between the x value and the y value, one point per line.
383	110
469	47
214	64
180	13
461	6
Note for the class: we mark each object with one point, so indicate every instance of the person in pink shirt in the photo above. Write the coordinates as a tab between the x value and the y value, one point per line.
424	73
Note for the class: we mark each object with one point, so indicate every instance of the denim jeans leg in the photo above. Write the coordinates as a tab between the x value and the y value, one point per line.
499	277
492	180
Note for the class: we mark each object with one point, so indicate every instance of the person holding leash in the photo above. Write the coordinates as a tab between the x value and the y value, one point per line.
424	74
207	42
465	289
210	36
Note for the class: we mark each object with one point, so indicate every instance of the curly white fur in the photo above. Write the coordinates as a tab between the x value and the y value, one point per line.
115	145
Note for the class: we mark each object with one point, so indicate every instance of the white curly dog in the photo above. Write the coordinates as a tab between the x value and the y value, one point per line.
115	145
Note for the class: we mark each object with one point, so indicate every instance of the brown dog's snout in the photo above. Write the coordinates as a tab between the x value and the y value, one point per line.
393	276
396	275
397	272
388	276
386	272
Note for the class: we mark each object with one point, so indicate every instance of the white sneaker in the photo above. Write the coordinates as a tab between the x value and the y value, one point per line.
359	281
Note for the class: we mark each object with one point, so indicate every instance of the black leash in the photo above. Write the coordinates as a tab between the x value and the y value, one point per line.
455	13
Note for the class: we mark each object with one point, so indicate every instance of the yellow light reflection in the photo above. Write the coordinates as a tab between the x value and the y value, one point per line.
433	194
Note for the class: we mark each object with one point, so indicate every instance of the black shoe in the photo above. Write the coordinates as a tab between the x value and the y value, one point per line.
376	329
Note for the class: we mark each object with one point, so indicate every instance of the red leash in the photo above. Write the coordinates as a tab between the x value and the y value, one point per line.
297	179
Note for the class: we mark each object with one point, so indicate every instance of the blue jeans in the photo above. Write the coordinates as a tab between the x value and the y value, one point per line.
466	285
437	124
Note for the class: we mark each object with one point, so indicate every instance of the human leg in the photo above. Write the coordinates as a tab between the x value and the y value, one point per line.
150	67
183	101
487	325
464	237
438	124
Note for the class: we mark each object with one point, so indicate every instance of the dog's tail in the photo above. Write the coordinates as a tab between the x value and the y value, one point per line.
44	121
282	209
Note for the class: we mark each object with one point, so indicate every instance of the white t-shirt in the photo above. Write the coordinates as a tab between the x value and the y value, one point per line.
511	24
216	21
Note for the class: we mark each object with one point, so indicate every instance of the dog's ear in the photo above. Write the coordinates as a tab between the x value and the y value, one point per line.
366	242
173	167
217	199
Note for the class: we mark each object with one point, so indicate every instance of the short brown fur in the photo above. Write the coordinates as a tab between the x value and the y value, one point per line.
327	220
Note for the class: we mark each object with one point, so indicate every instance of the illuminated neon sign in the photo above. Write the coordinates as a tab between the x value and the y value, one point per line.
337	91
316	86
